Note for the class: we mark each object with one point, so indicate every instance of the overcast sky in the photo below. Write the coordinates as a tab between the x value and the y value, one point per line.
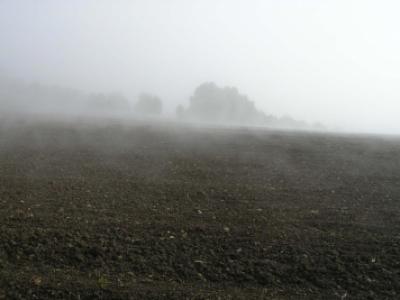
336	61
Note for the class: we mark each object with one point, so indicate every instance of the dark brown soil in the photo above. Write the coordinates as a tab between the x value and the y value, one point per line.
174	212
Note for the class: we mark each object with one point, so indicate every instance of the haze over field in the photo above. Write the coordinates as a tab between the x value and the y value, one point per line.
335	62
203	149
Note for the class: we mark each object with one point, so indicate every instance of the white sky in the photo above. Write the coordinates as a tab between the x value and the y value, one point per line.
334	61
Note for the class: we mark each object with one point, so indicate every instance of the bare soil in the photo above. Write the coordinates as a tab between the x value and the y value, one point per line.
172	212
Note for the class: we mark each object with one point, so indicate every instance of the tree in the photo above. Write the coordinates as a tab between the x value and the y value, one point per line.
108	102
211	103
148	104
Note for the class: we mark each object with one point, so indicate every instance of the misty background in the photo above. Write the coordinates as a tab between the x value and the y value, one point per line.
334	62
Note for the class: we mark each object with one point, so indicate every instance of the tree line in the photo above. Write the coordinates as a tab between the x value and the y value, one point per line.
208	104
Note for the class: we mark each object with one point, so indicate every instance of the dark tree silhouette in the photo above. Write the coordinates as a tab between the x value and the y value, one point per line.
211	103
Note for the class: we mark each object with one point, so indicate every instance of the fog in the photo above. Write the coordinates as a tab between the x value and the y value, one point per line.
334	62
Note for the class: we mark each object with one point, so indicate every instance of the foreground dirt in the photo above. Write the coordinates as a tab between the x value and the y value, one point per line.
168	212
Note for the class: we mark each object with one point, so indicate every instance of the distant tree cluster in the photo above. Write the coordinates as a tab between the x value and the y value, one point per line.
19	97
214	104
148	104
108	102
211	103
